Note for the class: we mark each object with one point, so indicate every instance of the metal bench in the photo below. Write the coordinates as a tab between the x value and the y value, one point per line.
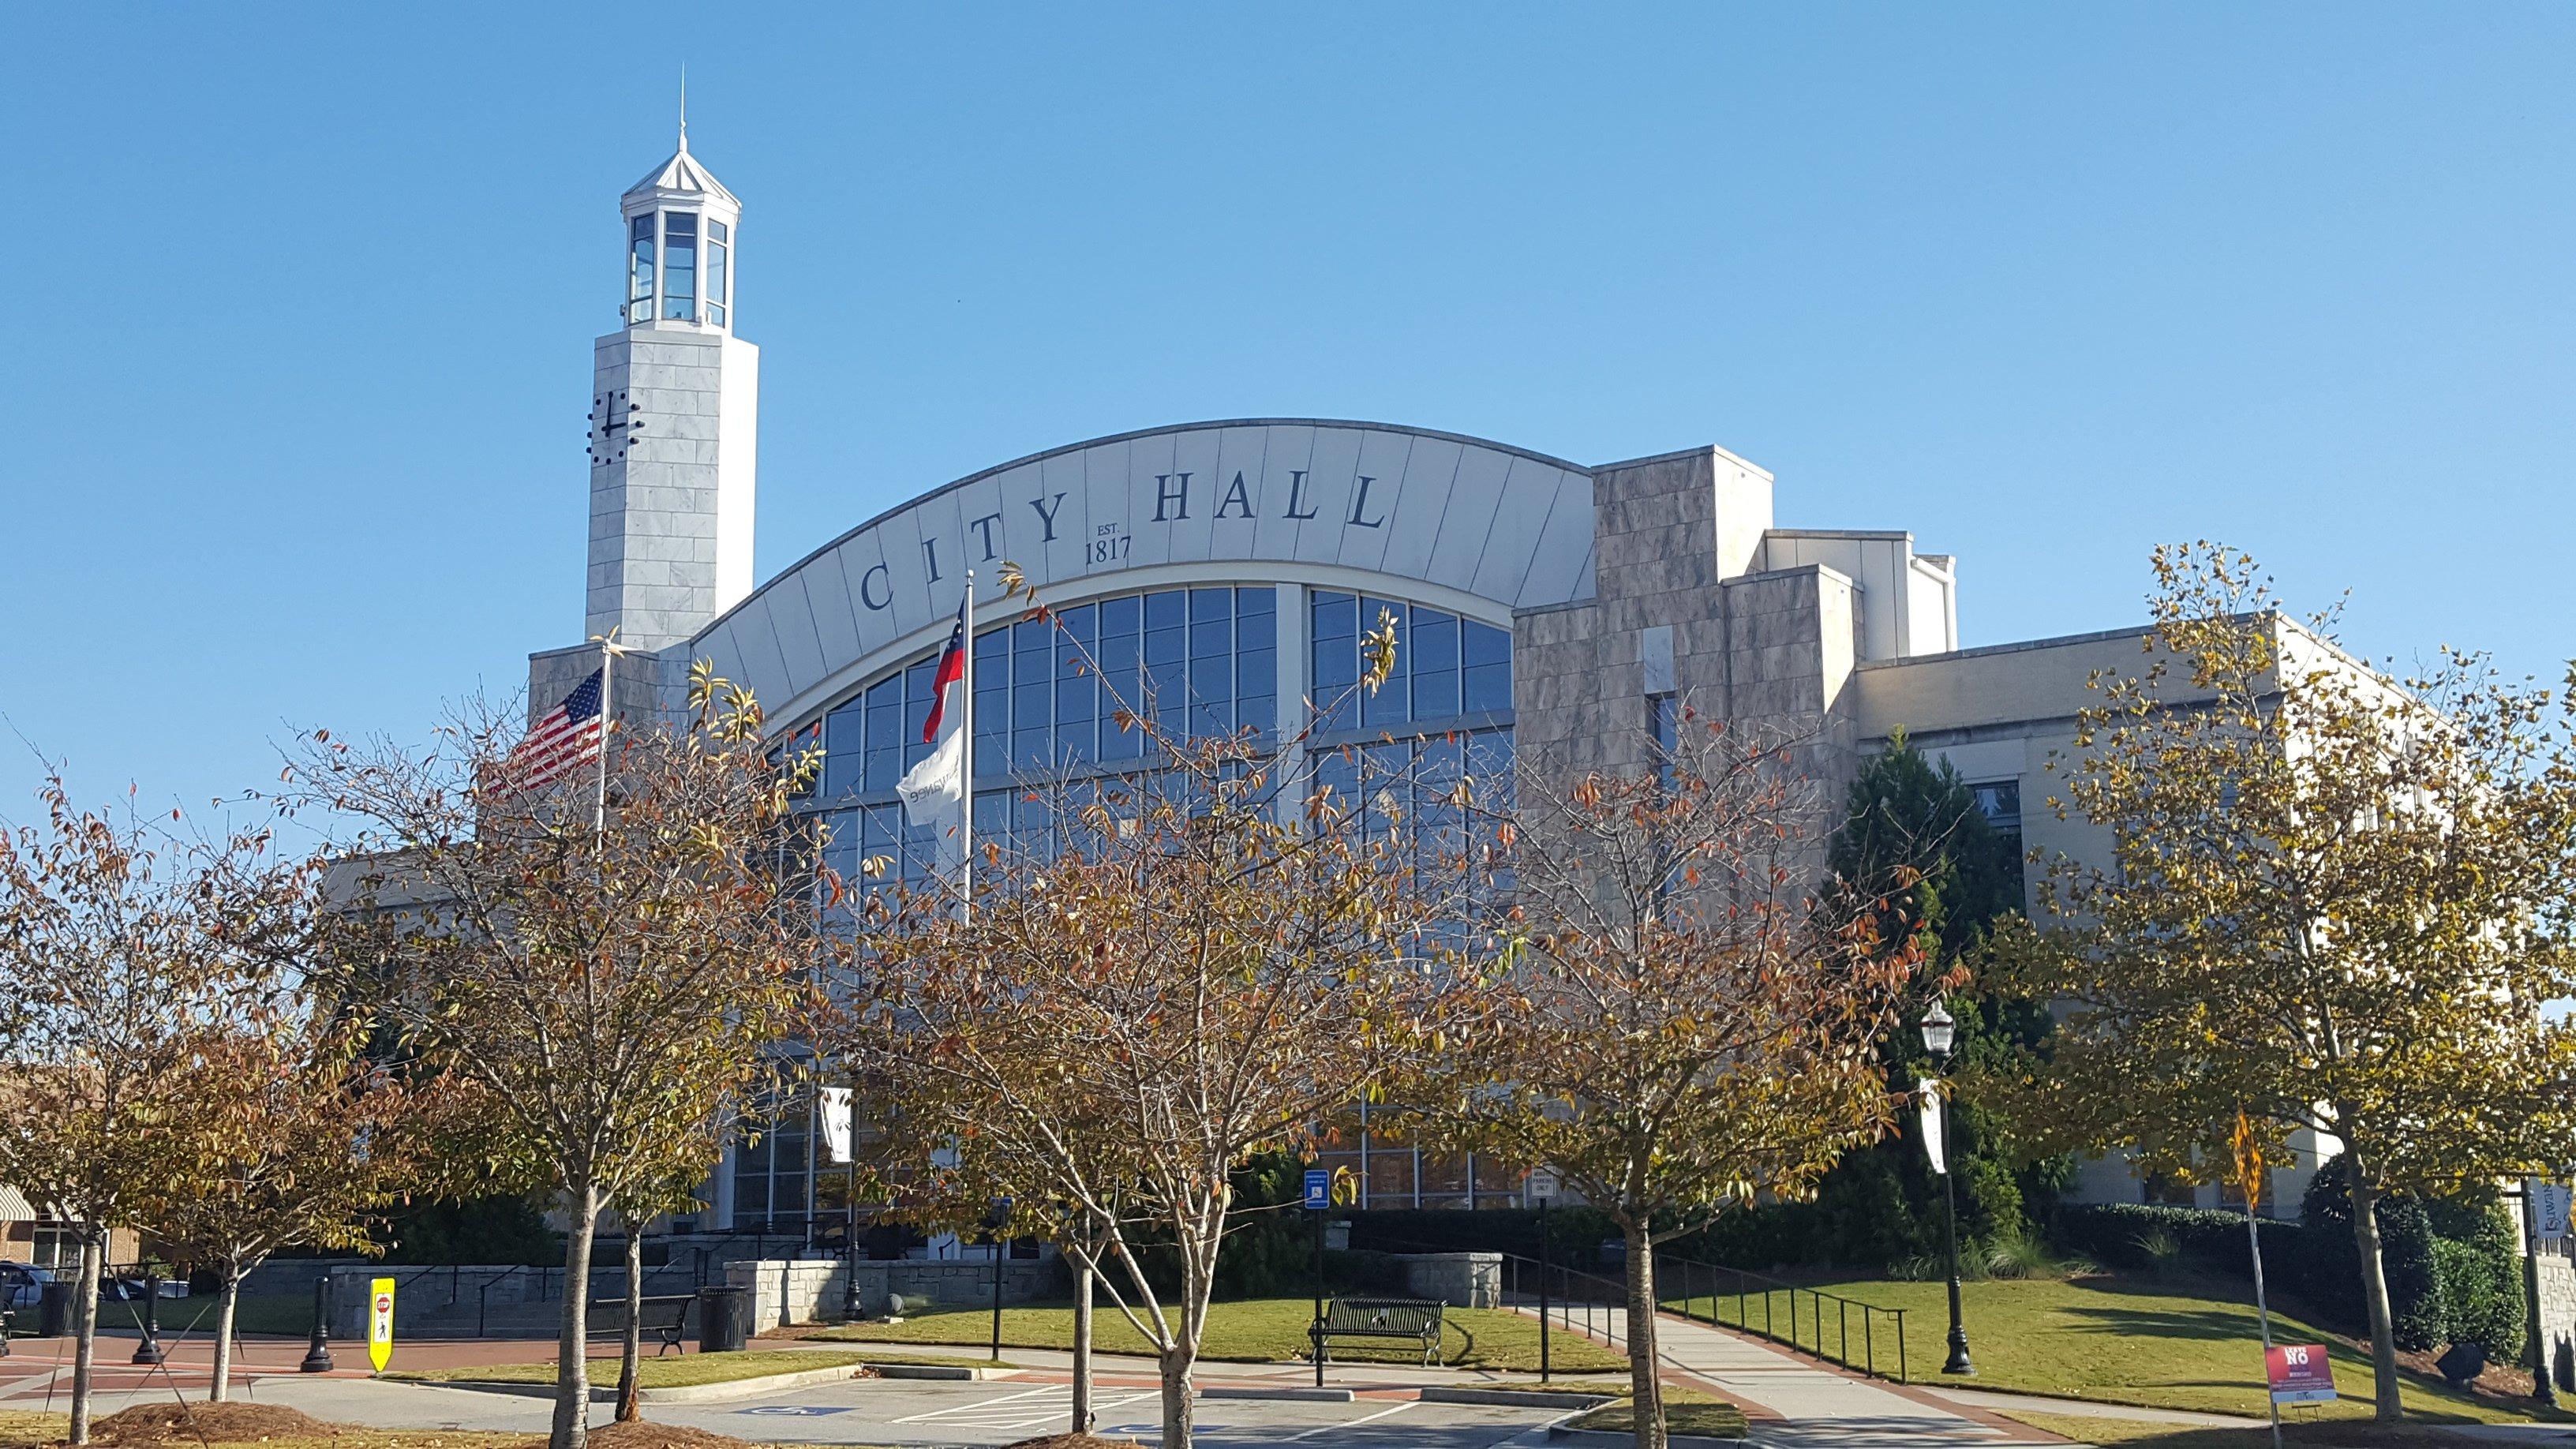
1412	1320
663	1318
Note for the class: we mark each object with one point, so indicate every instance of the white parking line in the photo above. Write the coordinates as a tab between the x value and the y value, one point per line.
1355	1423
1055	1412
973	1407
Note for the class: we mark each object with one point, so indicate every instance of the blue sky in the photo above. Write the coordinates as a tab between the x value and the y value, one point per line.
303	298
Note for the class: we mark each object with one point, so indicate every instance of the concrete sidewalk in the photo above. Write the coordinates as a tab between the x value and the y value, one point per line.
1797	1403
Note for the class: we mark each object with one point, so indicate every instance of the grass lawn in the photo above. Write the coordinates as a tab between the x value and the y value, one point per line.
2321	1434
674	1371
1256	1330
1686	1411
2122	1341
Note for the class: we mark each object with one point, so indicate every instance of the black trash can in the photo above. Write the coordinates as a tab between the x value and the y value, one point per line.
54	1311
724	1319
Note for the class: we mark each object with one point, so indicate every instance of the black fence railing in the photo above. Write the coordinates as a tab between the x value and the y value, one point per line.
1864	1337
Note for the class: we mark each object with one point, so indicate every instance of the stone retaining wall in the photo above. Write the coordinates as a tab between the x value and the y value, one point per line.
786	1292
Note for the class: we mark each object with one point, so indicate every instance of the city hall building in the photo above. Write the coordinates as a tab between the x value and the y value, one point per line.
1544	602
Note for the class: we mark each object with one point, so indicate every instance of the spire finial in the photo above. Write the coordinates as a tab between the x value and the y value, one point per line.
684	105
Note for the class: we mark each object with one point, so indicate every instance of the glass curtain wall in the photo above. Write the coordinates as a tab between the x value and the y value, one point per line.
1443	718
1201	662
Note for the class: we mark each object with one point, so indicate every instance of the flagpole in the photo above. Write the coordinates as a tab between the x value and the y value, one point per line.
607	712
966	766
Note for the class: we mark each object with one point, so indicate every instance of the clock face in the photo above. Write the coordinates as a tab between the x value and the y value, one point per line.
614	421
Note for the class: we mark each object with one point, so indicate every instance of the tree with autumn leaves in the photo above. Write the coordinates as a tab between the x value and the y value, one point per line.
303	1142
1690	1018
2335	900
1632	977
166	1068
601	968
1188	965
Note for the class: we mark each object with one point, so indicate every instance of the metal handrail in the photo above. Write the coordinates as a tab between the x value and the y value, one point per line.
1701	1282
1572	1294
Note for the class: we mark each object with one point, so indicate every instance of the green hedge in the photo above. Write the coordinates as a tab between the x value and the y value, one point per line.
2441	1289
1574	1234
2116	1235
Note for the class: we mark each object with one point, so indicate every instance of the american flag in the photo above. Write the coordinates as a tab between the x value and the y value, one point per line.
564	741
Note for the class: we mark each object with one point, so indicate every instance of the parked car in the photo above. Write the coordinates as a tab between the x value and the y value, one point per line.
130	1287
22	1285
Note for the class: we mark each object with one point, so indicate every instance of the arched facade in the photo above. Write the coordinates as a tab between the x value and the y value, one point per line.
1553	613
1469	527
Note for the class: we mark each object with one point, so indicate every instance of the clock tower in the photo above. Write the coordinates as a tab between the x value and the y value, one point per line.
674	418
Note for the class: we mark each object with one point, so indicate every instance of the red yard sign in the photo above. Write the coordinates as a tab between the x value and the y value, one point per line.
2299	1373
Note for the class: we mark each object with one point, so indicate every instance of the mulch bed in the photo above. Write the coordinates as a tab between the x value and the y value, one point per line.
1074	1441
645	1434
230	1423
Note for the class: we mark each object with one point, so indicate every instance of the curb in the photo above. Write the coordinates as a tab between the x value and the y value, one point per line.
1295	1396
682	1394
1516	1398
943	1373
1605	1439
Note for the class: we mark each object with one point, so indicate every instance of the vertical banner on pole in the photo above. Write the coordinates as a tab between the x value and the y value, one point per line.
380	1323
836	1124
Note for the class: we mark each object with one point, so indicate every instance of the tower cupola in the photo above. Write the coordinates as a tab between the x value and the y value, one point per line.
680	230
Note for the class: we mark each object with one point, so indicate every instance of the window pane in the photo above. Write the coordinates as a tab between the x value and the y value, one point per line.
1164	610
1255	624
992	728
1335	615
1081	630
1212	685
1212	638
842	738
1256	671
639	287
716	271
680	266
1435	664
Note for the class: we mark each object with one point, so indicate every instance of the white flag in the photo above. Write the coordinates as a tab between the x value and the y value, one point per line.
1927	1096
932	790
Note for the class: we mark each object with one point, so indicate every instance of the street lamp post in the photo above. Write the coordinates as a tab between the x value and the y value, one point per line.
2543	1391
1939	1031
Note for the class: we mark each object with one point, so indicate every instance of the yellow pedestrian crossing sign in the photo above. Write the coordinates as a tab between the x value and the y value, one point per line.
380	1323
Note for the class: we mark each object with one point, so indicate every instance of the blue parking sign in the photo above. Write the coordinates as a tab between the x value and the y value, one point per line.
1319	1189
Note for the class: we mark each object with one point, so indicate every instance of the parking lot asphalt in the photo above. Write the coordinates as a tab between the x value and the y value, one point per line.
896	1412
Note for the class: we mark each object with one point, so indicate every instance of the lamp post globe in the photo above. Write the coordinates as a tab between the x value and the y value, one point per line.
1940	1031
